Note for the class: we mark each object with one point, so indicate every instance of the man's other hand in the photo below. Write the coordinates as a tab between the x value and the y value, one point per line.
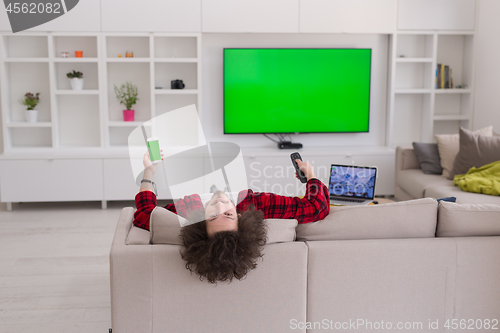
306	168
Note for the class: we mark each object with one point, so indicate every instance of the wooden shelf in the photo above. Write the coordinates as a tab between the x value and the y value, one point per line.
451	117
26	59
413	91
76	59
124	59
125	123
77	92
416	60
174	60
176	91
452	91
20	124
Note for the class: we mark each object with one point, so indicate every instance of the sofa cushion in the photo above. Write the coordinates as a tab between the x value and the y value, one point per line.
405	219
428	157
475	151
165	228
415	182
448	145
137	236
462	196
457	220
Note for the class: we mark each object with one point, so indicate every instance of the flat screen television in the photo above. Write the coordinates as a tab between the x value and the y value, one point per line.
270	90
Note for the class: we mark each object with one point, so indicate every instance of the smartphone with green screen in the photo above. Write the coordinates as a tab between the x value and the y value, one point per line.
154	150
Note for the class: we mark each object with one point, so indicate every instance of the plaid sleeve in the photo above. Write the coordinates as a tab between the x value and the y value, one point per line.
314	206
186	205
145	202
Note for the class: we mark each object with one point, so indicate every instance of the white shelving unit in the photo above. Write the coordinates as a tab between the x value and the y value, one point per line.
160	58
417	110
92	117
81	135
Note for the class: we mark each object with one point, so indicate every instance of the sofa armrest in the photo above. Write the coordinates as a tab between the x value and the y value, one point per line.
406	159
131	279
123	227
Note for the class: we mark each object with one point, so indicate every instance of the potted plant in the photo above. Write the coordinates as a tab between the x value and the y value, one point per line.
76	80
127	95
31	101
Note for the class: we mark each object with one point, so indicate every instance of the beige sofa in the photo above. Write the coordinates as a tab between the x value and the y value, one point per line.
360	266
412	183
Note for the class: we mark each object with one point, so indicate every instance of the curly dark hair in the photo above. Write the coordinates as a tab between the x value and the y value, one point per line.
228	254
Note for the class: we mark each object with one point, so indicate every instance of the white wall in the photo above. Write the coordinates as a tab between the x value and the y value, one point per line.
212	76
487	101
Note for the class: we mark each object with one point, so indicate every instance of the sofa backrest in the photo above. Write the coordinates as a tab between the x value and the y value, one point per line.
407	219
462	220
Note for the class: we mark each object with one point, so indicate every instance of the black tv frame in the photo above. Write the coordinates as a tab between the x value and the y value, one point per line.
290	48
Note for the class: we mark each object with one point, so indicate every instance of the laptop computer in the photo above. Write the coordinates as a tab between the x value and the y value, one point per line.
352	185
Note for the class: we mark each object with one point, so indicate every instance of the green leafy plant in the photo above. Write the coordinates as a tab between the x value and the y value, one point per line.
30	100
75	74
127	94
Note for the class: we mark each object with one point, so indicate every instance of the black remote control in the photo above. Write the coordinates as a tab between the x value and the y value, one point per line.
296	156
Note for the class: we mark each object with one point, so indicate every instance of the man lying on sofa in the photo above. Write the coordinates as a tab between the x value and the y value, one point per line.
229	239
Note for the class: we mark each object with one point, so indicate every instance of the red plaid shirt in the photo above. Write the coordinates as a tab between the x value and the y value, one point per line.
314	206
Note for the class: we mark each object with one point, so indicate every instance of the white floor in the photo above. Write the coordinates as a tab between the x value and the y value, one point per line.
54	267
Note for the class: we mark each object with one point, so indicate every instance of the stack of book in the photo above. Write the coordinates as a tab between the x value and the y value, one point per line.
444	78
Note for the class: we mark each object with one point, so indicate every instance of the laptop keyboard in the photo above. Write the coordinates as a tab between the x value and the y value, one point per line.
349	200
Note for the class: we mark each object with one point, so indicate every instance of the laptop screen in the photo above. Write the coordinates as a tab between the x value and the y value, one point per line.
352	181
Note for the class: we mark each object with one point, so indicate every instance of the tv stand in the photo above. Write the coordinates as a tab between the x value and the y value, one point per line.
289	145
282	143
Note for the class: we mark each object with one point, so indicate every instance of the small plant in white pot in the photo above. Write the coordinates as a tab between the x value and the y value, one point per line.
31	102
76	80
127	95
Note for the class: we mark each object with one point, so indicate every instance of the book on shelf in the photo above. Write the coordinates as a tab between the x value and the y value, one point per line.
444	77
436	79
441	86
439	76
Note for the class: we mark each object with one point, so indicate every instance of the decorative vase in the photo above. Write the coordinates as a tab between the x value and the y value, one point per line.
128	115
76	83
31	116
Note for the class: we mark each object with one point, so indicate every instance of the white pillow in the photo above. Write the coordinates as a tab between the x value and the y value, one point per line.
449	145
166	226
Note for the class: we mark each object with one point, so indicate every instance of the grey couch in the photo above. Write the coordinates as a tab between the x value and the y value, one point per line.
412	183
358	269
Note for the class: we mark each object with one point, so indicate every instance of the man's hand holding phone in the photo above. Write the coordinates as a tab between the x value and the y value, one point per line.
149	167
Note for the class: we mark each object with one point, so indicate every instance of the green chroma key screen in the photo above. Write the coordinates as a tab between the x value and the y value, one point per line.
296	90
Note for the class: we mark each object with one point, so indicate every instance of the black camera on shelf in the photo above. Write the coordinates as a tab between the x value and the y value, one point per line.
177	84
